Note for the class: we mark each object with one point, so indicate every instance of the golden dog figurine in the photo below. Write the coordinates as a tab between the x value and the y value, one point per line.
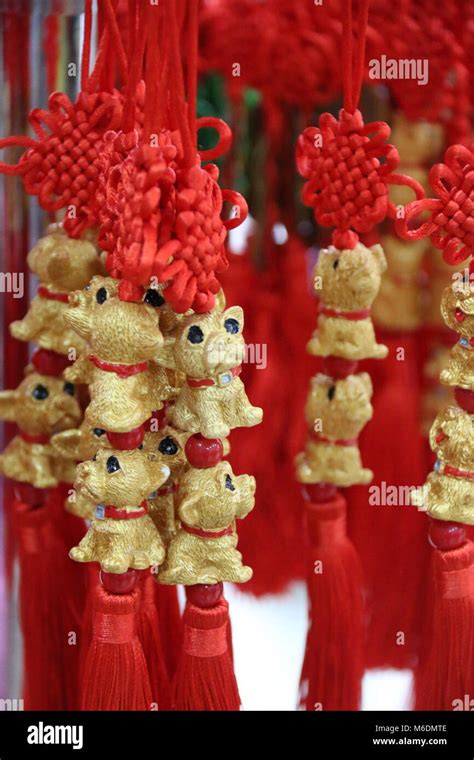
168	446
125	384
448	493
209	350
40	406
122	535
347	283
62	265
204	549
336	412
398	305
457	308
77	445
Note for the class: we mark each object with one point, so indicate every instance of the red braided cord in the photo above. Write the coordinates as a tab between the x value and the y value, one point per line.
86	45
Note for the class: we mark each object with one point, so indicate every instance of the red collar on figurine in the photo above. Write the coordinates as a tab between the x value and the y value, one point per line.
206	533
167	489
122	370
326	311
34	438
43	292
334	441
448	470
118	513
223	379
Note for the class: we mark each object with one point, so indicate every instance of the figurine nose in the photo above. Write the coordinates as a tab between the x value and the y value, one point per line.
74	298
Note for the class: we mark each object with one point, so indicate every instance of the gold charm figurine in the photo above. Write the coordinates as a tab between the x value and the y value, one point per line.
347	283
40	406
61	265
448	493
122	534
77	445
336	412
457	308
125	384
209	350
204	549
168	446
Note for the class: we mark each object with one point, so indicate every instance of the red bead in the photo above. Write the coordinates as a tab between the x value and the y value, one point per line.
203	452
336	367
128	291
319	492
345	239
125	441
119	583
465	399
446	535
203	595
49	362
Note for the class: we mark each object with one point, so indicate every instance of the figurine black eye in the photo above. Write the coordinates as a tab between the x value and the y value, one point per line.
101	295
69	388
168	446
112	464
335	264
94	458
141	447
39	392
154	298
98	432
228	483
331	392
232	326
195	334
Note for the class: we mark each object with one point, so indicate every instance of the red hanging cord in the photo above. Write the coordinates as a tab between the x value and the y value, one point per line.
353	60
86	47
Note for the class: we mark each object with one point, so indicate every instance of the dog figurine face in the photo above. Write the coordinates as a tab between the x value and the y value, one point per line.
117	331
209	349
121	478
451	438
341	406
457	309
119	482
208	344
350	279
41	406
204	549
336	412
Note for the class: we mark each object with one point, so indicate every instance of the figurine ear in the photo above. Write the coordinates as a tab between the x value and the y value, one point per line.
8	402
188	509
165	356
235	312
67	442
379	255
158	472
367	382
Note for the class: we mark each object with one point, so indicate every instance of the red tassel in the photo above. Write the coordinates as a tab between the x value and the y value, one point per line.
150	638
115	672
171	625
205	678
446	671
333	664
51	603
394	577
